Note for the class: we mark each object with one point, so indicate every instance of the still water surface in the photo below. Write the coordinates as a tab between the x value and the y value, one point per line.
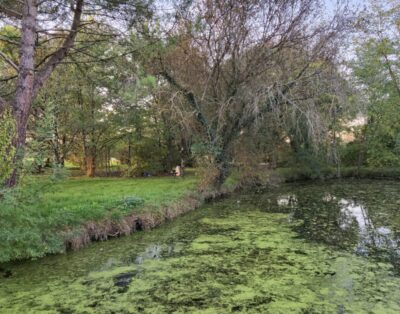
302	248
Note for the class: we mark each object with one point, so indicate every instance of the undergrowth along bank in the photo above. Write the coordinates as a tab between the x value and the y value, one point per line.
42	217
304	174
48	218
145	220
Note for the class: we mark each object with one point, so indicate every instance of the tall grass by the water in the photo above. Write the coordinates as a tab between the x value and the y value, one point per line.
38	217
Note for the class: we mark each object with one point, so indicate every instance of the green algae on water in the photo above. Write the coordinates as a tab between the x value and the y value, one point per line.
245	254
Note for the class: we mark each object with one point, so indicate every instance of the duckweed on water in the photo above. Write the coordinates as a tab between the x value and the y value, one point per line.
251	253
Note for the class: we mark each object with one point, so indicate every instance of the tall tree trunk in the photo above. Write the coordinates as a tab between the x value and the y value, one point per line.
57	157
63	150
129	151
224	168
29	83
90	166
24	91
90	154
336	156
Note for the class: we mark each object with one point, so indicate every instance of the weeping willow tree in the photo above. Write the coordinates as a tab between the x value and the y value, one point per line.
232	64
304	130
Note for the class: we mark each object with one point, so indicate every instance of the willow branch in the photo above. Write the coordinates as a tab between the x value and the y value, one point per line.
190	97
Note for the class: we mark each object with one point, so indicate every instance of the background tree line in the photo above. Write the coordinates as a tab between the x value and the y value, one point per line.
128	85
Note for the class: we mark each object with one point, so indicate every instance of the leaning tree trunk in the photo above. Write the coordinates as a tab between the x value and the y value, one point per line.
24	91
223	168
29	83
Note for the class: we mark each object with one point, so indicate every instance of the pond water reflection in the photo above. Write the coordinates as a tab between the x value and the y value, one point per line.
360	224
302	248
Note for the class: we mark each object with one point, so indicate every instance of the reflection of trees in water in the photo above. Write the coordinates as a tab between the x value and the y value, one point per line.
343	223
155	251
287	200
380	241
151	251
320	214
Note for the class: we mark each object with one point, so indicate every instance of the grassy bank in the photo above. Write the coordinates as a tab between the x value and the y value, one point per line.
44	217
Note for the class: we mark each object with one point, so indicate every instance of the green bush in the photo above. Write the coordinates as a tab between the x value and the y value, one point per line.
139	166
25	231
350	154
307	164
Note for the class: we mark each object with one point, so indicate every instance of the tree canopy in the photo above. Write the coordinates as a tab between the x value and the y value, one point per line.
135	87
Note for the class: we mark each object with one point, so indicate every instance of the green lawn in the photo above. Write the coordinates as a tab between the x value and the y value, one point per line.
89	197
32	220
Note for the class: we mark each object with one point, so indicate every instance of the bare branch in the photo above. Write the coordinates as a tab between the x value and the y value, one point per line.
190	97
9	61
61	53
8	78
10	12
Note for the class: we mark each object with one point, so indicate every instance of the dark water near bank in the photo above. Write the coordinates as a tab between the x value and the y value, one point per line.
317	248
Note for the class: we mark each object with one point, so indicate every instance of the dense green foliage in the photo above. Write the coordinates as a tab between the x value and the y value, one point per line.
140	101
374	69
103	104
7	151
136	99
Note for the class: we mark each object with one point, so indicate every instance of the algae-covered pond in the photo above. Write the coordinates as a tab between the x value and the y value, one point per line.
315	248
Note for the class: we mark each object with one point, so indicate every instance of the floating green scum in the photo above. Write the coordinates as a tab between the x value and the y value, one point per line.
330	248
